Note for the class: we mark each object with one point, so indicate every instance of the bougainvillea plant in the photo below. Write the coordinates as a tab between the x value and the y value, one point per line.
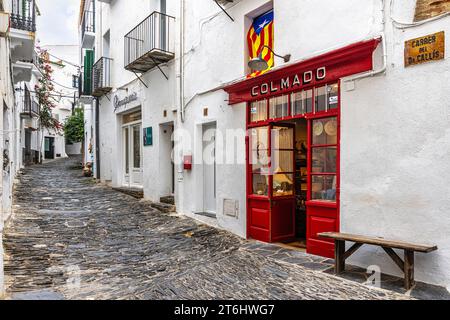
45	94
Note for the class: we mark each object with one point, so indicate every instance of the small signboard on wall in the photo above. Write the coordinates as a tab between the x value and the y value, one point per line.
148	137
425	49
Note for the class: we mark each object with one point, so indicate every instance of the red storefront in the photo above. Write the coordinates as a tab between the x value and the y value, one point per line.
293	146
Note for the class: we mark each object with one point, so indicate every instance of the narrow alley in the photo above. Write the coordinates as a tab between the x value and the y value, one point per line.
70	238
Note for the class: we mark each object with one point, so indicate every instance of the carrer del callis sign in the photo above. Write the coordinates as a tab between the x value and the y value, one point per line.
425	49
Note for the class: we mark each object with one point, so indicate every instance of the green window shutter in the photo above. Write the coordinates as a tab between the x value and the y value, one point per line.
88	63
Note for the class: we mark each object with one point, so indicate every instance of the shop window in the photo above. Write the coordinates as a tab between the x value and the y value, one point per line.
321	99
324	159
258	111
324	188
260	160
325	131
283	161
333	96
279	107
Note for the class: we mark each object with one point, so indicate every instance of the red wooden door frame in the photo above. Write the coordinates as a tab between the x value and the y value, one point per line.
352	59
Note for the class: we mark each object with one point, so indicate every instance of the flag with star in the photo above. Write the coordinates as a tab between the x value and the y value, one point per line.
261	34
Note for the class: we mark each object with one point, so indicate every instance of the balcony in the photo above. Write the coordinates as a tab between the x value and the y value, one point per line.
30	108
149	44
88	30
23	28
101	76
23	15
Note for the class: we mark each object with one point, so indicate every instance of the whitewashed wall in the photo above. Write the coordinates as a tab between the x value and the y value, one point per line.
395	150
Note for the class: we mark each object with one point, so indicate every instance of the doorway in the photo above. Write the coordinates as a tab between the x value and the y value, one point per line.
49	148
132	150
209	169
27	156
293	169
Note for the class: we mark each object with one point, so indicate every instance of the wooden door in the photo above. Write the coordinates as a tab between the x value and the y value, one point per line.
271	196
282	192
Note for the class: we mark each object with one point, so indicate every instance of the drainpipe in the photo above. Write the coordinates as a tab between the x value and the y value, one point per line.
97	137
182	39
384	44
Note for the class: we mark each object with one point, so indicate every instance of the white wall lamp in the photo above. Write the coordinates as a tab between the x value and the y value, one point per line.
259	64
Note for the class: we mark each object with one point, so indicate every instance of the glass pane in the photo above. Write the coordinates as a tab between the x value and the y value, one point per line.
283	185
283	161
308	101
259	138
279	107
260	185
258	111
283	138
260	161
127	150
324	188
259	154
321	99
132	117
325	131
333	96
137	147
324	160
297	103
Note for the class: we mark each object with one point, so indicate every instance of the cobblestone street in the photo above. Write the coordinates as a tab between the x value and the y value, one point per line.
70	238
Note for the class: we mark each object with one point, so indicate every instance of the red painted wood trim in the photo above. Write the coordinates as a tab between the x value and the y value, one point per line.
346	61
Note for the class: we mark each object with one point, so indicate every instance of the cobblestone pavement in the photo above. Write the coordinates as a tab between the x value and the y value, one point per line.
72	239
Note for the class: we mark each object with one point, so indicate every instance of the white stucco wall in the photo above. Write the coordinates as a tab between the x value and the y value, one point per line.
394	157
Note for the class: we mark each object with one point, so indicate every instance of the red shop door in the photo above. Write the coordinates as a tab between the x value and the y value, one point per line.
323	184
271	199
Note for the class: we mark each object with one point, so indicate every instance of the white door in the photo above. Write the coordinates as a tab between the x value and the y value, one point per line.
132	152
209	169
136	155
126	157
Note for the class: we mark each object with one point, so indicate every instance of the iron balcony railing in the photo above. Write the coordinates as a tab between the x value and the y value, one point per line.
149	43
30	107
23	15
88	25
101	75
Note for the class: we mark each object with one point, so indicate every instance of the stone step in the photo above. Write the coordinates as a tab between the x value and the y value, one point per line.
168	200
134	192
164	207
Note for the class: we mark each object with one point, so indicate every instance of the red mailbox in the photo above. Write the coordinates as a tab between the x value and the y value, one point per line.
187	162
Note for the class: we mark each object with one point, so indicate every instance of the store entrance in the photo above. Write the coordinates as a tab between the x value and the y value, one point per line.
300	181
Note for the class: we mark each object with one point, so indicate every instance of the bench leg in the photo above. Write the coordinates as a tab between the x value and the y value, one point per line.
339	256
409	269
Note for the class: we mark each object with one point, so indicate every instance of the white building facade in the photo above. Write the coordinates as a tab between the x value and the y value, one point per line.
368	131
17	39
64	62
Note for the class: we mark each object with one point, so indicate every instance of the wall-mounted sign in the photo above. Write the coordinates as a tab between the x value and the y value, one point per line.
148	137
119	103
425	49
289	82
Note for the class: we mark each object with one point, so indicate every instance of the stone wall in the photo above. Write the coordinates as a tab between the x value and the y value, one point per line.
426	9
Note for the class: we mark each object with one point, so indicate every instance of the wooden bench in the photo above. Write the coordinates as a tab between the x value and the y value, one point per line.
406	265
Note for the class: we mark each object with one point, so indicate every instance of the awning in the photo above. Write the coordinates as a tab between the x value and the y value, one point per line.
325	68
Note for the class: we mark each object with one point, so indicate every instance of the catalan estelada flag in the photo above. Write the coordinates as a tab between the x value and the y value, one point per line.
261	33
